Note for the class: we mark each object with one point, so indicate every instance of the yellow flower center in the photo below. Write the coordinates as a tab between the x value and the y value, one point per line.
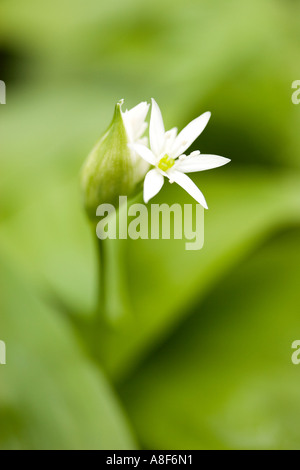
165	163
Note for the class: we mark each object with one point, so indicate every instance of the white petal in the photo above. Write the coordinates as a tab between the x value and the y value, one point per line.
139	112
189	186
200	163
144	152
156	129
141	166
143	141
190	133
134	121
152	184
169	139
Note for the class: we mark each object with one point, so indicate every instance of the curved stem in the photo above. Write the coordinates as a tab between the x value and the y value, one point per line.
113	298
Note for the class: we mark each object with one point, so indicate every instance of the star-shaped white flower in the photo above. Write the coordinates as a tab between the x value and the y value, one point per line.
166	154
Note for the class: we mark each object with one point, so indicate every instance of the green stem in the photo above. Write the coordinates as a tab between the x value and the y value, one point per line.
113	299
113	303
101	276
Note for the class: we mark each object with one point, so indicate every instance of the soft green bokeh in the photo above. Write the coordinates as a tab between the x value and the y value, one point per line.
203	360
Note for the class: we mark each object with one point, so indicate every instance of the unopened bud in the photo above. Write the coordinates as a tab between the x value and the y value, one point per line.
113	168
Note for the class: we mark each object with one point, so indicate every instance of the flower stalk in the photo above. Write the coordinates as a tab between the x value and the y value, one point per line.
112	169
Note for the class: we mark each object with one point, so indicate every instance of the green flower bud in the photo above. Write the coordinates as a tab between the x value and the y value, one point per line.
113	168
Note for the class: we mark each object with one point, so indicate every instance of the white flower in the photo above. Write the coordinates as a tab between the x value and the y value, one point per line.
166	154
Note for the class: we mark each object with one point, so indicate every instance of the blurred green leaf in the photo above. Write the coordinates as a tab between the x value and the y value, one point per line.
52	396
66	64
225	379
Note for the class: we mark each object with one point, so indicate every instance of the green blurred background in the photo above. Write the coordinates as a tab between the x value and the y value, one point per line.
204	359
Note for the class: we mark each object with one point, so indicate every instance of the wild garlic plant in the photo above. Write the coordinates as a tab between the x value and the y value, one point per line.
124	158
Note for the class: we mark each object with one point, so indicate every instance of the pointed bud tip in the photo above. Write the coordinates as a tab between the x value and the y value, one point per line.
110	170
